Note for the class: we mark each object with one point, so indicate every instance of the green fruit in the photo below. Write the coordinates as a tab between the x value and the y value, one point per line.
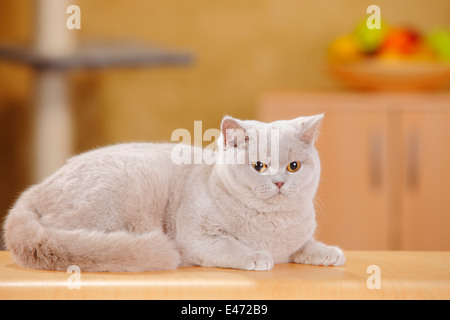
439	41
370	39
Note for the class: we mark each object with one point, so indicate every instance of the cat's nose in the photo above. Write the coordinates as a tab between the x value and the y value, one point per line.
279	184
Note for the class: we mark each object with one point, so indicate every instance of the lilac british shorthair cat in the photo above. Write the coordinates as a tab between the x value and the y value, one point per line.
130	207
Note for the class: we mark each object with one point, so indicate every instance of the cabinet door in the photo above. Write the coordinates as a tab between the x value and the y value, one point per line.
426	193
352	199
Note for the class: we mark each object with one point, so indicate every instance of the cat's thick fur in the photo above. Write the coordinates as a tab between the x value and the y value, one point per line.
129	207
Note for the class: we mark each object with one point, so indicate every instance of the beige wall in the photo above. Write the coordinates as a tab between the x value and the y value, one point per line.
242	49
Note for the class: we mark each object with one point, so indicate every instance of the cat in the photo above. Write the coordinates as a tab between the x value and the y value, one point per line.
128	207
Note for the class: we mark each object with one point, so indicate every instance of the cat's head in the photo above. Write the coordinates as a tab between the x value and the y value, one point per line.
270	165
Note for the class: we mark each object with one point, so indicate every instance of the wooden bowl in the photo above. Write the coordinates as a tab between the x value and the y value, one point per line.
392	75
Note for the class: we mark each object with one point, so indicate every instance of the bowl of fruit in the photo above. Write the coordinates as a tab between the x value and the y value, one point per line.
391	58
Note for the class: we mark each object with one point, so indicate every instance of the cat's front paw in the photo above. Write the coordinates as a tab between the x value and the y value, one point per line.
258	260
317	253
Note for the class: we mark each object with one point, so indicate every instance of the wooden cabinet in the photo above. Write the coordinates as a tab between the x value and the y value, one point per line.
385	166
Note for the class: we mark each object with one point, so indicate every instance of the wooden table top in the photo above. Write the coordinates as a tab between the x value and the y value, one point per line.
398	274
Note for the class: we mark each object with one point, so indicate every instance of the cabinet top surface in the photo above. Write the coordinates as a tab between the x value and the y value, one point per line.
326	101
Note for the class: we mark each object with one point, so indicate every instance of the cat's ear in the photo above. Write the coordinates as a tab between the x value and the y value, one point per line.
233	132
309	127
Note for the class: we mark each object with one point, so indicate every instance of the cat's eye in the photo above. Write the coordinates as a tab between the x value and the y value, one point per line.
259	166
293	166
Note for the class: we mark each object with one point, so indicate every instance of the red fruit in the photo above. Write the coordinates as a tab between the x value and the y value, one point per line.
402	41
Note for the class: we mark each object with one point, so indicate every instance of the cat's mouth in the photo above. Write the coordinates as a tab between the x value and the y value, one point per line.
271	195
275	196
278	196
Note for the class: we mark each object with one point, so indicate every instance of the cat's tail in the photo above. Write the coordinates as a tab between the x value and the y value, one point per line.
36	246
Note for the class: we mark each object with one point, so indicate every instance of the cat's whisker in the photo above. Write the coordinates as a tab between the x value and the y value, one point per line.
319	205
252	197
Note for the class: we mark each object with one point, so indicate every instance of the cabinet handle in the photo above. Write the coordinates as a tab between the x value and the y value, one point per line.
375	159
412	160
